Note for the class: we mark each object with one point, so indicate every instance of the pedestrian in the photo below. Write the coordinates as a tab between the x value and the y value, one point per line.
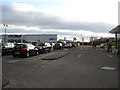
93	44
109	48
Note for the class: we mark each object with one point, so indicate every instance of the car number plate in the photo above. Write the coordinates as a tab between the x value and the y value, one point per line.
17	52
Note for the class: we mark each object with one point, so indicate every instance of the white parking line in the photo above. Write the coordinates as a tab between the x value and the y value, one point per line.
109	55
79	55
108	68
46	55
13	61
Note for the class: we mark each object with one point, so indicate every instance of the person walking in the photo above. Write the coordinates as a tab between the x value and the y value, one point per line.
109	48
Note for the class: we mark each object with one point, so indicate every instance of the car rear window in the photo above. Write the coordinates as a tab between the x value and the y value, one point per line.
20	46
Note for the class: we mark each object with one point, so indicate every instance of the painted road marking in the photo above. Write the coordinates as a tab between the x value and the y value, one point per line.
14	61
79	55
108	68
109	55
46	55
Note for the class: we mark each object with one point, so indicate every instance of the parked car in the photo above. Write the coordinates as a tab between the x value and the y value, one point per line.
58	46
24	49
7	48
67	45
44	47
103	45
52	45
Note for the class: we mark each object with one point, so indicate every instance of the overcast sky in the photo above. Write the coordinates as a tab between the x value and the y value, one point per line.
64	17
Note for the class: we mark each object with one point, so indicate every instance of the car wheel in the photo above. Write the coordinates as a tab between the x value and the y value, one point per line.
44	51
27	54
48	51
37	52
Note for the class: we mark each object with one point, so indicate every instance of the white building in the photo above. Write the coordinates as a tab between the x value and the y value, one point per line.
14	37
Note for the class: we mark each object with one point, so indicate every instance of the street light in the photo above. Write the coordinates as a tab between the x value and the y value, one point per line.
82	39
5	25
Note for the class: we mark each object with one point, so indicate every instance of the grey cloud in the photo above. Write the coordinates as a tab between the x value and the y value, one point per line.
46	21
18	30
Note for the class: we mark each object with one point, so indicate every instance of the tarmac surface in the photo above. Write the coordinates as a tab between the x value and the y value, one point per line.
83	67
56	55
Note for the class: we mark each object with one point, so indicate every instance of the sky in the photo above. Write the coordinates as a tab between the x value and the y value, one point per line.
70	18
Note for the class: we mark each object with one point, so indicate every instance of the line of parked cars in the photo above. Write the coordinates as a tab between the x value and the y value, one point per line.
33	48
6	48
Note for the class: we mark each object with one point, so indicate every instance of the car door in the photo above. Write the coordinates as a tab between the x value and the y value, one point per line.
33	49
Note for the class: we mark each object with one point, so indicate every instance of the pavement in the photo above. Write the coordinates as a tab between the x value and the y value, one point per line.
5	81
83	67
56	55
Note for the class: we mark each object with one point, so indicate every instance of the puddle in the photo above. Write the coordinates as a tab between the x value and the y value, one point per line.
108	68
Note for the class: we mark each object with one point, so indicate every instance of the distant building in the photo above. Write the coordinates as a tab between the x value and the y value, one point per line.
29	37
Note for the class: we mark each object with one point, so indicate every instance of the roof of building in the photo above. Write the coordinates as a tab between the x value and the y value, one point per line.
115	30
26	34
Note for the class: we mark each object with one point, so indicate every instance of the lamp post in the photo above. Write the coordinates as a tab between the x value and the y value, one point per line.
5	25
82	39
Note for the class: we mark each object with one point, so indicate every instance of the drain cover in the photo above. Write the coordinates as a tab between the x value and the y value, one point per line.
108	68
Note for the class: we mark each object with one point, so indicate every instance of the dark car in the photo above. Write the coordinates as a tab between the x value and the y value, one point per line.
44	47
7	48
24	49
58	46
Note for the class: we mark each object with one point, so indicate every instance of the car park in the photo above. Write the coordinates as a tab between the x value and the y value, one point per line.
24	49
58	46
7	48
43	47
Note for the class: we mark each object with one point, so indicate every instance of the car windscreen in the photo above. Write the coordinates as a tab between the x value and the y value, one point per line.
41	44
20	46
57	44
67	43
34	43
